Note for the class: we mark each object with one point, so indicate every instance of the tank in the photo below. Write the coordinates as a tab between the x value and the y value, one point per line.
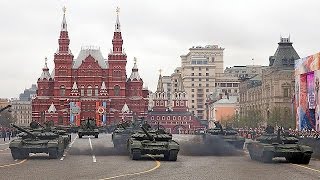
88	128
154	142
228	135
270	145
121	135
36	141
49	127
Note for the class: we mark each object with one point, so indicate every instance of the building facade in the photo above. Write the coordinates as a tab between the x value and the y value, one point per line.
174	118
199	69
21	112
90	85
270	94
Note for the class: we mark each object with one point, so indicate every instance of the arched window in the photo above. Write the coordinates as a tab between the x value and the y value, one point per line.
82	91
62	90
96	91
60	120
117	90
89	91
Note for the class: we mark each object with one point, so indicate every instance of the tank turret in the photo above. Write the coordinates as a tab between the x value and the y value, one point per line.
25	131
150	137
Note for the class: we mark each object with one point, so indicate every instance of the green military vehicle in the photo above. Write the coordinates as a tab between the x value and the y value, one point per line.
271	145
154	142
88	127
49	127
36	141
228	135
121	135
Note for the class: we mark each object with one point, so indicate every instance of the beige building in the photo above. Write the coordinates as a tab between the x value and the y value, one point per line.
199	69
22	112
4	103
273	89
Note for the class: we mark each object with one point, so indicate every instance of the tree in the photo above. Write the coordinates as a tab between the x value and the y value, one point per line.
252	119
281	116
6	118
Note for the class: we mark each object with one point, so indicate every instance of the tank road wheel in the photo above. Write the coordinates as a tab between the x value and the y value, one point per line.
305	158
96	136
135	154
18	154
53	153
267	157
173	155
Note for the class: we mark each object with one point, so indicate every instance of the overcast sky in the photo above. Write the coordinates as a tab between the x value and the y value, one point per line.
156	32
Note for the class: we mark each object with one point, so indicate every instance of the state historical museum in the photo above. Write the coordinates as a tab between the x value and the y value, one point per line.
89	86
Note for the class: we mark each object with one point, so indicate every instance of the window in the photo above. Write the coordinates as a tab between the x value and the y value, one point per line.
235	85
192	79
200	74
163	118
229	84
192	74
199	79
192	106
62	90
82	91
222	84
207	74
116	90
207	69
200	85
192	85
192	69
192	95
96	91
199	68
207	79
207	85
207	90
286	92
168	117
192	101
152	118
89	91
192	90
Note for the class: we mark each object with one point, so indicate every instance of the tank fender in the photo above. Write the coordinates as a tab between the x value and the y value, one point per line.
269	148
135	144
16	143
53	144
173	145
305	148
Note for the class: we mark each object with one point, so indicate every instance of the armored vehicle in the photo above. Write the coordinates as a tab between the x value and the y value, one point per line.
36	142
121	135
88	127
152	142
271	145
228	135
49	127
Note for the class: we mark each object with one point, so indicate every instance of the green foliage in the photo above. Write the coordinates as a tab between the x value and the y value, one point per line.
281	116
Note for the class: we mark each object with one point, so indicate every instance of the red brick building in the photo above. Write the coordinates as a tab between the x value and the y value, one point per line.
177	119
90	85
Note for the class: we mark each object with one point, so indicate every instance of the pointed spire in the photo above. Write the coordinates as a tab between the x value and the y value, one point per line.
160	84
117	25
45	71
74	87
64	40
117	38
103	89
125	108
64	22
52	108
135	74
103	86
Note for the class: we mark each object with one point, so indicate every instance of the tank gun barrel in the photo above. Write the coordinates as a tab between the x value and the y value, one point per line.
150	137
4	108
123	126
23	130
218	125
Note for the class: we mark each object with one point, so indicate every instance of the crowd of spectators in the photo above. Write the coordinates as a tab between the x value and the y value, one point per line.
7	133
252	133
